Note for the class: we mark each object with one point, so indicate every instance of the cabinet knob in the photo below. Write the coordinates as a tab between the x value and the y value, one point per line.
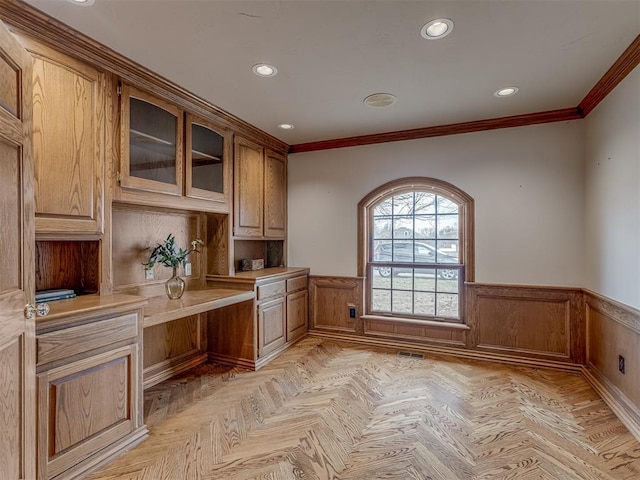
41	309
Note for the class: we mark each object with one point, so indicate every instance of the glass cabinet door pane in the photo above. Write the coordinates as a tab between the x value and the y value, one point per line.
152	142
207	159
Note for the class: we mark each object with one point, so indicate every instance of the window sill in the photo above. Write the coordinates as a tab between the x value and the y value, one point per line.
416	322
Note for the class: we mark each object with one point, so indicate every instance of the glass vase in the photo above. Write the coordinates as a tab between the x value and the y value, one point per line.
174	286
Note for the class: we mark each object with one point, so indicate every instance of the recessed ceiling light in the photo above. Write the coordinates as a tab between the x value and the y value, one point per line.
84	3
286	126
506	92
436	29
264	70
379	100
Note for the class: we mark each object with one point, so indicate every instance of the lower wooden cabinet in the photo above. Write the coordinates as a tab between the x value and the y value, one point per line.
89	393
271	326
279	317
297	317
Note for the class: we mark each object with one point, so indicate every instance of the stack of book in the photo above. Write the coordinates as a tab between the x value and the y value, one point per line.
51	295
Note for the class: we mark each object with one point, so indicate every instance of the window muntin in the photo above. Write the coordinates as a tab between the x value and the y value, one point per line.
411	235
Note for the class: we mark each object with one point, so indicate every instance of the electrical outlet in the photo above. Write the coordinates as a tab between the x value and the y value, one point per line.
352	311
187	269
621	364
148	274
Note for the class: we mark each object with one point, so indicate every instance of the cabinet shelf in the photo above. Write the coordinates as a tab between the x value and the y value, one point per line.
156	145
201	158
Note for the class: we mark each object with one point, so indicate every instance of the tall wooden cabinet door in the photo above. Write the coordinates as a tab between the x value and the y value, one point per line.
17	242
208	160
271	328
297	307
275	195
68	142
248	189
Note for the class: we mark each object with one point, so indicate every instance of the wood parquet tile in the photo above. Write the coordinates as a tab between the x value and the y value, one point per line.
326	410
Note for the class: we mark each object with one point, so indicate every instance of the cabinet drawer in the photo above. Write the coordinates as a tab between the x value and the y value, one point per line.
83	338
271	290
297	283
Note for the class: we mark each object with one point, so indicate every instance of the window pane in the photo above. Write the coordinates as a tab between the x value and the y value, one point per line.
402	302
403	251
426	226
448	281
448	226
381	277
402	279
447	305
382	251
424	279
402	227
424	252
425	203
403	204
382	227
383	208
381	300
424	303
446	206
448	251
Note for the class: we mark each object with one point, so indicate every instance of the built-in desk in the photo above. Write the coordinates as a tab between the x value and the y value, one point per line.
161	309
175	331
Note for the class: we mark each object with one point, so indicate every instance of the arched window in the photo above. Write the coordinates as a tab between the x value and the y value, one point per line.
415	249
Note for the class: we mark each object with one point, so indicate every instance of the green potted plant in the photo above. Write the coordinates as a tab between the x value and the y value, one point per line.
170	255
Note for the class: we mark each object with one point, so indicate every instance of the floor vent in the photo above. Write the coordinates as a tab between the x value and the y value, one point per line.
411	355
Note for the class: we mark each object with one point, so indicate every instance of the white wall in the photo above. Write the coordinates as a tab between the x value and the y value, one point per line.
612	218
527	182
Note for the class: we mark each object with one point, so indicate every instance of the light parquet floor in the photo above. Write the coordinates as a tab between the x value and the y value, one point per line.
329	410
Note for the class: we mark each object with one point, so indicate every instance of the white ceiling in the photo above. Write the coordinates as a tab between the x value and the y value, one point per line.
331	54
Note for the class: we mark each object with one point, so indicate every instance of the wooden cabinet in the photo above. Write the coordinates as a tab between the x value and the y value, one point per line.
271	326
208	169
275	195
170	158
17	357
260	199
89	388
69	105
279	318
297	316
151	145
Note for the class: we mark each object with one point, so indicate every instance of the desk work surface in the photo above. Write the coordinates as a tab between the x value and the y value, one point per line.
161	309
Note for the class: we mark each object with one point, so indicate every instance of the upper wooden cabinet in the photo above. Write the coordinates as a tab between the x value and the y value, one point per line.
167	152
69	105
151	143
208	153
260	199
275	195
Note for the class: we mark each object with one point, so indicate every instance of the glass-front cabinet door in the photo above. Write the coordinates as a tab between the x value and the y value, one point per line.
151	143
208	169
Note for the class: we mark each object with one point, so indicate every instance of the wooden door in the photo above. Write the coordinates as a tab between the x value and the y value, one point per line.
68	142
151	143
248	183
275	195
297	307
271	334
17	271
208	156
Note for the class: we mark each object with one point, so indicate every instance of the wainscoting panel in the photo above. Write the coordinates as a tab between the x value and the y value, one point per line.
543	322
414	332
613	330
330	298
